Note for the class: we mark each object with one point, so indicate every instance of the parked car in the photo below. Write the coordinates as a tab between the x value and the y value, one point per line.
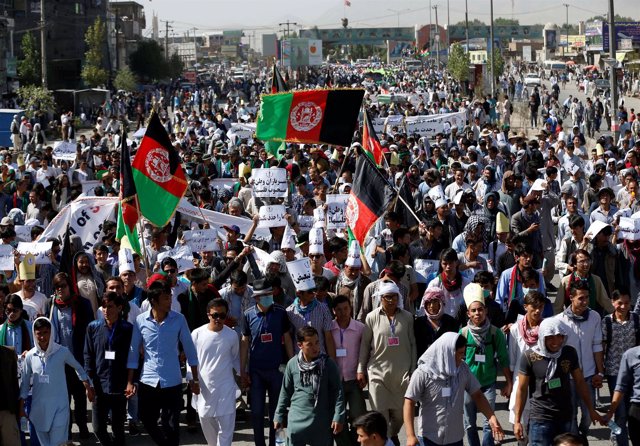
532	80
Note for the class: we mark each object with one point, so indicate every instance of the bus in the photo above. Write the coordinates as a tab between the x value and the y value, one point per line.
553	65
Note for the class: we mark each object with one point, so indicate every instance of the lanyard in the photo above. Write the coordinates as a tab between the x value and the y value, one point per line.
44	365
113	332
342	337
264	328
392	324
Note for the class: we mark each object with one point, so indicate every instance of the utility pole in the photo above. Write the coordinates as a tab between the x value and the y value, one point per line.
493	73
43	45
437	38
448	29
288	23
466	24
166	38
195	45
430	30
566	5
613	82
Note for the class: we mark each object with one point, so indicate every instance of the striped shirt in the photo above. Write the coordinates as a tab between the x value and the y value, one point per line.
319	318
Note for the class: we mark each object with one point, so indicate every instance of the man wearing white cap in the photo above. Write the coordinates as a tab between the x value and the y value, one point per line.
351	282
34	301
387	356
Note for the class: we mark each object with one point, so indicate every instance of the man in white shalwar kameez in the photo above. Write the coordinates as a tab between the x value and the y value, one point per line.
218	349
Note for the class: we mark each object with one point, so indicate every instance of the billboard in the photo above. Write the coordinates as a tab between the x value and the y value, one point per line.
365	36
593	28
550	39
526	53
623	30
301	52
500	32
269	45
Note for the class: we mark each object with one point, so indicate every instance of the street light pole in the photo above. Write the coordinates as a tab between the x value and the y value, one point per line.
466	24
437	38
493	74
566	5
613	82
43	45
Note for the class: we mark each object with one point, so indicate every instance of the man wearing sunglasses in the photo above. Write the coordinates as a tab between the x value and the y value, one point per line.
218	349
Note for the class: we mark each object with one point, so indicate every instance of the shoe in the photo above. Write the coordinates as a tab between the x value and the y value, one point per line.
133	428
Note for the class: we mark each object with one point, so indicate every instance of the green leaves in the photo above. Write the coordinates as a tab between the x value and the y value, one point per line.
458	64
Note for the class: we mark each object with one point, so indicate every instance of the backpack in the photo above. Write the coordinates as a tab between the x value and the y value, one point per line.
609	327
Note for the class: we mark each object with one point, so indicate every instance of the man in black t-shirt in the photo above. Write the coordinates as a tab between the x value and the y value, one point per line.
545	372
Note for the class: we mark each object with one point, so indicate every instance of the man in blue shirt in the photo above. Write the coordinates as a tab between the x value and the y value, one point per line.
158	331
266	329
106	350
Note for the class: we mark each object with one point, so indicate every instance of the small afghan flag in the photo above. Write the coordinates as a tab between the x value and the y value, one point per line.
310	116
370	142
128	215
369	198
158	175
277	81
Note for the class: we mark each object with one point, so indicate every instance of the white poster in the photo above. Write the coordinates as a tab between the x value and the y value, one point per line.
305	222
202	240
40	251
23	233
319	218
64	151
6	258
88	187
300	271
272	216
427	125
85	215
221	184
629	228
337	211
269	183
425	268
182	255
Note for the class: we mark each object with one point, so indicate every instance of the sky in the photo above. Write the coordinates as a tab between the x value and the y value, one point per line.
264	16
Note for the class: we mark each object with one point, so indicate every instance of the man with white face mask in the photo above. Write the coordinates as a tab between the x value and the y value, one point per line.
262	356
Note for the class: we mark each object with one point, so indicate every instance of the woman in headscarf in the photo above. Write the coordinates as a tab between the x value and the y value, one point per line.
439	384
524	335
44	376
433	322
545	373
491	205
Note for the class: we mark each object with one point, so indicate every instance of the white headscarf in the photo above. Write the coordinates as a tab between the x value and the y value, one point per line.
52	347
550	327
439	361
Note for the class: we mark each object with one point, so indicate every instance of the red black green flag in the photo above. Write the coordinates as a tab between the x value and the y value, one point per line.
370	141
128	215
369	198
310	116
158	175
277	81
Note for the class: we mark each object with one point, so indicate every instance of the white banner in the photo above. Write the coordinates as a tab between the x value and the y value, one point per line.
425	268
40	251
64	151
182	255
218	219
629	228
6	258
427	125
85	215
202	240
337	211
269	183
242	131
272	216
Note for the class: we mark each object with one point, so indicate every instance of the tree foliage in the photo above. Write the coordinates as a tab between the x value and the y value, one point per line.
148	61
501	21
93	72
35	98
498	62
474	22
29	67
618	18
175	66
458	63
125	79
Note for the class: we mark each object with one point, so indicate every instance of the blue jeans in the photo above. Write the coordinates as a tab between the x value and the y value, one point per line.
581	427
542	432
470	415
620	416
263	381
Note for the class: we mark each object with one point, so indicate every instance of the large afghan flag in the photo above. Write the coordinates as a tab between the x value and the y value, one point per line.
370	141
369	198
310	116
158	175
128	215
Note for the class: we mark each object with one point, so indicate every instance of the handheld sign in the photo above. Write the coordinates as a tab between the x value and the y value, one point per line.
629	228
269	182
202	240
6	258
300	271
39	250
337	211
425	269
272	216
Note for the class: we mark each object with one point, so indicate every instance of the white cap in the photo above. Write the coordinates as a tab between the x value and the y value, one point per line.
353	258
288	238
316	241
319	220
457	198
125	261
441	202
387	287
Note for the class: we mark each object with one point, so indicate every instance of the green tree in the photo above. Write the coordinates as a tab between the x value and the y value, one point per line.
29	67
175	66
618	18
458	63
93	72
34	98
501	21
474	22
148	61
125	79
498	62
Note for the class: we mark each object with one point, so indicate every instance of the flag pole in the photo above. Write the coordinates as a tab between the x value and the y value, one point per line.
144	245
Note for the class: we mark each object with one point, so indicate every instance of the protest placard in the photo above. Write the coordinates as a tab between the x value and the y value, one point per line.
305	222
629	228
272	216
6	258
23	233
425	269
88	188
319	218
337	211
300	271
182	255
269	183
39	250
64	150
202	240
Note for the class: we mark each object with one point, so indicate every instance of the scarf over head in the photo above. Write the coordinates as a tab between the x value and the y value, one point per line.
432	294
439	361
52	347
550	327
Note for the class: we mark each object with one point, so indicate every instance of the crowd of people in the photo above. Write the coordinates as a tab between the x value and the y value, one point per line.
447	302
